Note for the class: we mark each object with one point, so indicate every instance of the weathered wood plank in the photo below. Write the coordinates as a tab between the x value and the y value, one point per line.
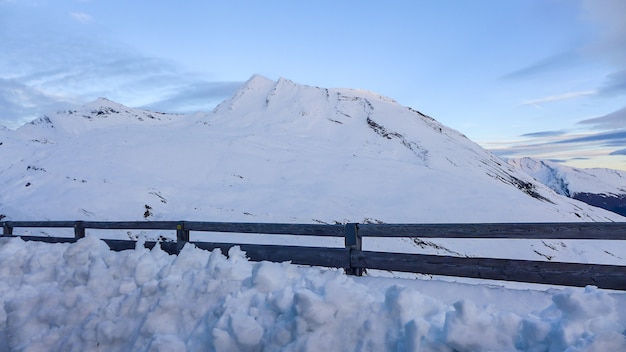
351	257
599	231
50	224
555	273
316	256
587	230
267	228
7	229
131	225
46	239
104	225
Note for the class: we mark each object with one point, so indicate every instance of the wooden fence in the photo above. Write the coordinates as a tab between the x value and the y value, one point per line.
354	260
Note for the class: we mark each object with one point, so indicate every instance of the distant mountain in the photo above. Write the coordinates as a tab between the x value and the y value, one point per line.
604	188
276	151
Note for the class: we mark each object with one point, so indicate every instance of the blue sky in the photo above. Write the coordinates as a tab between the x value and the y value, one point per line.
543	78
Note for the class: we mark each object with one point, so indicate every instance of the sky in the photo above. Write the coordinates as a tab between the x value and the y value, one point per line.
539	78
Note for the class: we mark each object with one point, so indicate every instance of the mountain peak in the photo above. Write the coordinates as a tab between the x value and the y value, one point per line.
258	77
255	89
257	80
105	103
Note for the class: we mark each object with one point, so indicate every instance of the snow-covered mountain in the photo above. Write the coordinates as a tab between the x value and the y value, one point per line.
275	151
604	188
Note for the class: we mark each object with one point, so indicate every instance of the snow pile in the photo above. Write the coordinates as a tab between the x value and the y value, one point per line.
83	296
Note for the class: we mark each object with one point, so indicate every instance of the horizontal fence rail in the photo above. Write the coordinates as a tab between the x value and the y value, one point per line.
355	260
542	231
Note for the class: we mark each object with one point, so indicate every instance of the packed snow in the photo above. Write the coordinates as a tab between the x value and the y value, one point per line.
84	297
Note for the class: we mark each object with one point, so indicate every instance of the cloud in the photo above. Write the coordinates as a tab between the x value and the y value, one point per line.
551	63
606	47
616	119
619	152
195	97
608	138
566	147
564	96
20	103
615	83
608	18
81	17
132	80
45	66
544	134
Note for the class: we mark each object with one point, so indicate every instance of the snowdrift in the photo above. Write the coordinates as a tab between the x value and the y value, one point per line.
83	296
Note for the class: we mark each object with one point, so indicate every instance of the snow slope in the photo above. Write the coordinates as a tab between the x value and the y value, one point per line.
84	297
605	188
277	151
274	152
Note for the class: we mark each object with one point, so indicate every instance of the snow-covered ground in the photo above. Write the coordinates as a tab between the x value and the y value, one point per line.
84	297
279	152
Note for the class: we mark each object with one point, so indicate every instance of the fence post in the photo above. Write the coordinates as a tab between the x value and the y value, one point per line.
353	243
182	236
79	230
7	229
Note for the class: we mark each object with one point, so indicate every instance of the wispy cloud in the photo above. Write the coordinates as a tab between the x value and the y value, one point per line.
544	134
610	45
194	97
616	119
615	83
566	147
45	67
20	103
549	99
81	17
608	138
608	16
551	63
619	152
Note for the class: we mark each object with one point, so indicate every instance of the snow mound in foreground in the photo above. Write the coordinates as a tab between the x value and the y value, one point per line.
83	296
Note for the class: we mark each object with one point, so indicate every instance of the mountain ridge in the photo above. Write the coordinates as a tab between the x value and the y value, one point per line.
600	187
278	151
336	155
